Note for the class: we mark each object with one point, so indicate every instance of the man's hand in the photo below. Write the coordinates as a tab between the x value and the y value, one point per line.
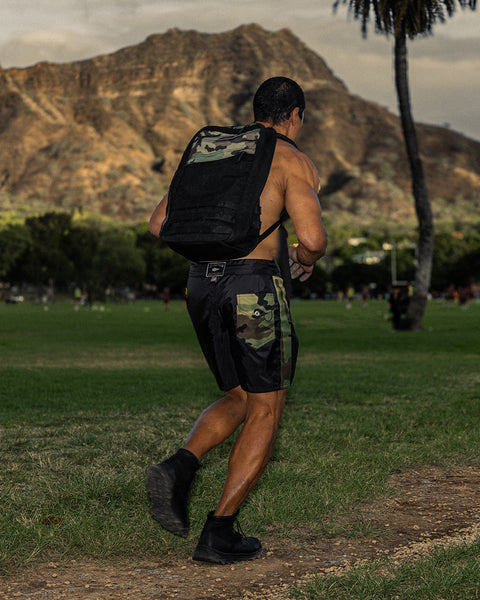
297	270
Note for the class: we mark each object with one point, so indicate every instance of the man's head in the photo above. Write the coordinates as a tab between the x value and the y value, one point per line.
276	98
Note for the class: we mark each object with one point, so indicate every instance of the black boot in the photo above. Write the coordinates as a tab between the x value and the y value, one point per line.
220	543
168	485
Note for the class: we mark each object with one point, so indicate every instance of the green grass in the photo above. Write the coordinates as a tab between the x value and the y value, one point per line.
90	398
451	573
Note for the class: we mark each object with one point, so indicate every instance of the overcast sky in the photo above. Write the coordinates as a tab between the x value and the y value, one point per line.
444	69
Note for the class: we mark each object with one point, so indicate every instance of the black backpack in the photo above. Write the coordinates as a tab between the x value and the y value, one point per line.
213	210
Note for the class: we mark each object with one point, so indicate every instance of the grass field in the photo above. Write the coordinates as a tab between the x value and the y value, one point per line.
90	398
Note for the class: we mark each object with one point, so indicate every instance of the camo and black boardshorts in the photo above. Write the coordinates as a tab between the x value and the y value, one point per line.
242	319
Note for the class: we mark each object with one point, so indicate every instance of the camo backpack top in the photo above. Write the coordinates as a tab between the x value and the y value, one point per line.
213	210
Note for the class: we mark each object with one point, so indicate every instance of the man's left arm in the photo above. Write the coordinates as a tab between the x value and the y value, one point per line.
158	216
304	209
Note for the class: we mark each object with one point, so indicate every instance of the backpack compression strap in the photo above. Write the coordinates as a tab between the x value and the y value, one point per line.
284	214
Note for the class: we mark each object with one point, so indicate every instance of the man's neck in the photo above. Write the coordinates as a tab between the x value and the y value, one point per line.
282	128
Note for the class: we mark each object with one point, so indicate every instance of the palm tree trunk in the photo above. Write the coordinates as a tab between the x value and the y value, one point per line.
418	301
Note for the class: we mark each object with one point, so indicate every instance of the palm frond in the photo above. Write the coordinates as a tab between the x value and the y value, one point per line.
403	17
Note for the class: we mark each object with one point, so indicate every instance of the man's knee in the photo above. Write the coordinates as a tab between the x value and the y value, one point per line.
235	400
237	394
268	406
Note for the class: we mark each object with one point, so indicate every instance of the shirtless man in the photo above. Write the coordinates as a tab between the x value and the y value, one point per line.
252	351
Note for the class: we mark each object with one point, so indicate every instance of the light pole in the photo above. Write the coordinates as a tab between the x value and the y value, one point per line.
393	262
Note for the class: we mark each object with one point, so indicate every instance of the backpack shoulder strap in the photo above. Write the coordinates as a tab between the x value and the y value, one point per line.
286	139
284	213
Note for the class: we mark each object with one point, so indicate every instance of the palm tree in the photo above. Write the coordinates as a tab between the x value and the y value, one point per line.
409	18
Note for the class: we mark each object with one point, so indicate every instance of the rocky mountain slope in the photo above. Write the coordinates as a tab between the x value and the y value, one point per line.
83	136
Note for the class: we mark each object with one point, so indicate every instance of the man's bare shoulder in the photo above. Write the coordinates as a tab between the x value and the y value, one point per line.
295	163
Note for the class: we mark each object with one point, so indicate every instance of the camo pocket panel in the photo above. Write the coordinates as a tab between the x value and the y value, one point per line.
256	318
216	145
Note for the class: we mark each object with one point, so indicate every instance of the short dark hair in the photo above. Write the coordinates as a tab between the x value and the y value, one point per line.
276	98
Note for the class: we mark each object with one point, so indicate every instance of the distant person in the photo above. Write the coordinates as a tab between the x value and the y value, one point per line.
166	296
465	296
350	294
365	295
398	302
243	323
90	294
77	297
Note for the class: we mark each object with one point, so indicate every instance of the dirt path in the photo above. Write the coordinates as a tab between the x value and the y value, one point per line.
432	507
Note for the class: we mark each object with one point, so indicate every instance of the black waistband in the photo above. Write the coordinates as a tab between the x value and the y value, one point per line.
233	267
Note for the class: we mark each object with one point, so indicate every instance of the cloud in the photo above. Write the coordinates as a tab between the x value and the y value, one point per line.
447	92
49	45
445	49
78	29
444	71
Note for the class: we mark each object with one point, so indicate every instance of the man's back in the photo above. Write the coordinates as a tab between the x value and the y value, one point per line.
292	184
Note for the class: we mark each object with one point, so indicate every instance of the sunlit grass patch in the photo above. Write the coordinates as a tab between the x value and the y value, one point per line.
447	573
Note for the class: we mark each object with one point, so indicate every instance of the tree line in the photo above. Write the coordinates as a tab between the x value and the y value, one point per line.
54	249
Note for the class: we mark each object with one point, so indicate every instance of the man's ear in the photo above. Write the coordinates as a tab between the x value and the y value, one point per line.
294	114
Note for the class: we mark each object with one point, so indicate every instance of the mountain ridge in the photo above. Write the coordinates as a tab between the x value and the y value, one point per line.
83	136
